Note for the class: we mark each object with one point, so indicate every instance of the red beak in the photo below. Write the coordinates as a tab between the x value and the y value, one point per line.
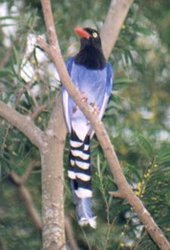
82	33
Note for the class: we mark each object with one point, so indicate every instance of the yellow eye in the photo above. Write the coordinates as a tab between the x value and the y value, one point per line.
95	34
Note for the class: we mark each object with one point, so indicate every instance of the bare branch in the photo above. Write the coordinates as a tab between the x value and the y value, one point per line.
113	23
37	111
29	170
27	198
69	233
22	123
16	178
49	22
21	180
116	194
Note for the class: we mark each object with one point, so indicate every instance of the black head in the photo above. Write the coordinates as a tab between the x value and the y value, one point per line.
89	37
90	54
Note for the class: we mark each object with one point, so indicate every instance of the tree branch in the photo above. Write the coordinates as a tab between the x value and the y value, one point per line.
113	23
54	121
27	198
69	233
22	123
37	111
116	194
29	204
19	180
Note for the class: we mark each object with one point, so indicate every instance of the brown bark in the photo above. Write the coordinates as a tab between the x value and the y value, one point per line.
69	233
27	198
22	123
113	23
29	204
53	182
52	197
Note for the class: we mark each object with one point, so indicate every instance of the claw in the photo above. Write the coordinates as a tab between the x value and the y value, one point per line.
95	109
83	97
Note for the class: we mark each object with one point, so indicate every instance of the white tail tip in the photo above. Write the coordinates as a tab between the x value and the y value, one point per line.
84	222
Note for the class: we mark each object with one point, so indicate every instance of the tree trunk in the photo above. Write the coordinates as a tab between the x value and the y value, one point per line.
53	196
53	182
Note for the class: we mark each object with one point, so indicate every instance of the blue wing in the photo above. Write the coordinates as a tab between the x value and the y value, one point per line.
107	92
108	89
65	95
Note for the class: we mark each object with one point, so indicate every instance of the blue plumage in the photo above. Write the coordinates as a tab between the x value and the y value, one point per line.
96	85
93	77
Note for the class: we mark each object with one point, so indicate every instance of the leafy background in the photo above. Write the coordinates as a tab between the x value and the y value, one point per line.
137	120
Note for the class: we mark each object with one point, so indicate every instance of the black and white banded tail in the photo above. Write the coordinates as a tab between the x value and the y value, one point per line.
79	165
80	174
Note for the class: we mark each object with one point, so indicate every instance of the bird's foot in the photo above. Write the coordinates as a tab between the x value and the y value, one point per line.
95	109
83	97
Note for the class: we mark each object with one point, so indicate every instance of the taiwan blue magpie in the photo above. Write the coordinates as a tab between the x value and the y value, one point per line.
93	77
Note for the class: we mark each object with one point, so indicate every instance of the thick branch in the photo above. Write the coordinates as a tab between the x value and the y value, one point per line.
113	23
27	198
22	123
55	54
54	121
53	181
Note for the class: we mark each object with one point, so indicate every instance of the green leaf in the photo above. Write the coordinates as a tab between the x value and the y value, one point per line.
123	80
145	145
5	72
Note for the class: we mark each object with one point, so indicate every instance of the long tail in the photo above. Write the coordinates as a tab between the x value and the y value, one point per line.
80	174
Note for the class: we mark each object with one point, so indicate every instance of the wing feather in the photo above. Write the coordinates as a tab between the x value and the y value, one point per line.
108	89
69	64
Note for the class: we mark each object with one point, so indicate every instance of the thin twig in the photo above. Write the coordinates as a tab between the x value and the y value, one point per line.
27	198
29	170
116	194
37	111
21	180
69	233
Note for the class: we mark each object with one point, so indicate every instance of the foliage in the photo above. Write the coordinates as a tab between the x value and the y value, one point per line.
137	120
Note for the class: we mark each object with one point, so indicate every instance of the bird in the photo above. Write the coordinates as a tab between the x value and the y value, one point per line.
92	75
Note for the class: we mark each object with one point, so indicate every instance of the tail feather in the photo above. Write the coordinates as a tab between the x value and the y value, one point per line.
84	210
79	167
80	174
